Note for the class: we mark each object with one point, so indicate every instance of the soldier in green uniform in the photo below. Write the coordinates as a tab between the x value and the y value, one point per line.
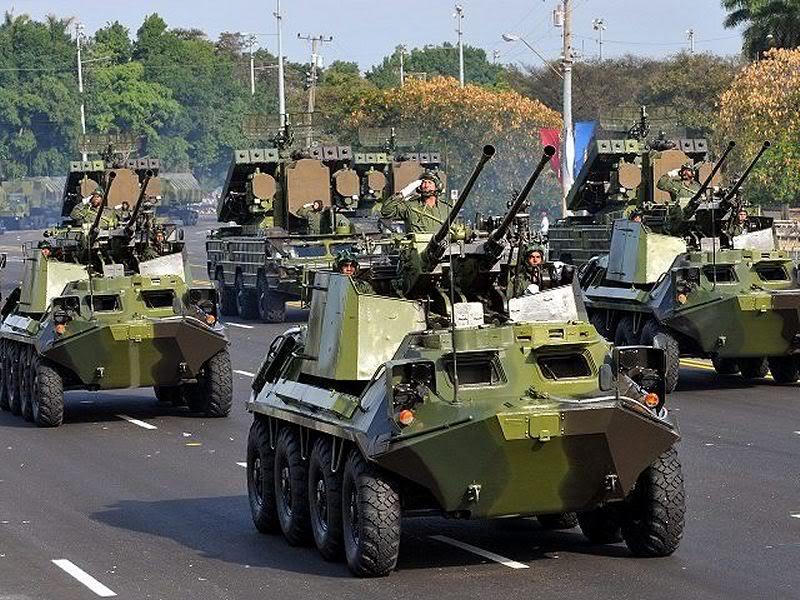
418	205
680	184
86	213
157	244
742	223
347	264
312	213
529	279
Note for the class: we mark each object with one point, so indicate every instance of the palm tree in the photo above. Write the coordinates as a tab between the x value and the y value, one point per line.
768	24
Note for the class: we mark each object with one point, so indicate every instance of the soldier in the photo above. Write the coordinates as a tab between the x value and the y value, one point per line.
157	246
742	224
680	184
312	213
418	205
86	212
123	211
636	215
347	264
529	279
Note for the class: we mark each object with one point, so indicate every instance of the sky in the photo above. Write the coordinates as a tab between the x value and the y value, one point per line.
365	31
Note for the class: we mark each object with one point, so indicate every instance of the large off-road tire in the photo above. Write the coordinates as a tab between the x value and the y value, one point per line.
784	369
601	526
246	305
212	395
598	319
169	394
47	394
558	521
226	296
655	335
291	488
3	377
261	478
271	304
371	516
624	334
12	371
325	501
26	380
653	514
725	366
753	368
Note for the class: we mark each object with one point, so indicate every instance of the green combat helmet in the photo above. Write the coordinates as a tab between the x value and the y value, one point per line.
343	257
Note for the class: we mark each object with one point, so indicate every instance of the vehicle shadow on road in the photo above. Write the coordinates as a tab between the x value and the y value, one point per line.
700	380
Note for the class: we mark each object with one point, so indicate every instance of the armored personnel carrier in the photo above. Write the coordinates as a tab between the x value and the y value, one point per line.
357	423
292	211
110	308
693	278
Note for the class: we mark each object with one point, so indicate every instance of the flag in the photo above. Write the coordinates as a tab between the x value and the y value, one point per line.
553	138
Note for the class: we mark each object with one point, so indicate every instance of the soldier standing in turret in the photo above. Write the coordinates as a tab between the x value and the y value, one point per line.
347	264
86	212
529	280
312	213
418	205
680	183
742	223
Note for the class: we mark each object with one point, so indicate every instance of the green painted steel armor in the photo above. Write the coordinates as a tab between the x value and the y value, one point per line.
451	398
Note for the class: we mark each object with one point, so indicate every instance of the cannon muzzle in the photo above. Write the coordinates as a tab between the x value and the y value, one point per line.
764	147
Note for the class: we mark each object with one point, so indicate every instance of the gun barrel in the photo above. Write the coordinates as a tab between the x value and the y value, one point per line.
140	199
714	171
96	223
746	173
438	238
498	233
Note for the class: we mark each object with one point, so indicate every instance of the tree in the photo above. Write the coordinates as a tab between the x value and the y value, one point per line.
113	41
761	104
767	24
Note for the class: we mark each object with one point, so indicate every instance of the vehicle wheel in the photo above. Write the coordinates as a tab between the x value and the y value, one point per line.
325	501
212	395
558	520
371	516
246	305
725	366
25	379
47	394
291	488
753	368
654	511
601	526
260	478
169	394
3	377
784	369
12	371
598	319
624	334
655	335
271	304
226	296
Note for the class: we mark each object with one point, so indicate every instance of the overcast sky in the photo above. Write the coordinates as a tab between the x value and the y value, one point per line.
367	30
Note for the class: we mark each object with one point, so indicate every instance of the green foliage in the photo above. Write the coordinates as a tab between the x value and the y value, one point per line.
767	24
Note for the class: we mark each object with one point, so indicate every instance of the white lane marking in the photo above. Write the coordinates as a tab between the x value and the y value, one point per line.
795	515
506	562
245	373
240	325
242	464
141	424
82	576
797	432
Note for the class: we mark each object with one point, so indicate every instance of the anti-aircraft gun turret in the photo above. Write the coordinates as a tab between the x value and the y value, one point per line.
109	308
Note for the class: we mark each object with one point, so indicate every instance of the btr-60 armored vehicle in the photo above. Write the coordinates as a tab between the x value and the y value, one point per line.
109	302
442	395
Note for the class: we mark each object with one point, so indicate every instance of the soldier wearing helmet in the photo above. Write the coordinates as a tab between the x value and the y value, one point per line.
418	205
680	184
86	212
529	279
346	263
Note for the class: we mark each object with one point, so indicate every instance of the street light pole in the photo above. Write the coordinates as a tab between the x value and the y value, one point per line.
690	35
567	141
460	18
78	36
281	85
252	40
402	66
599	25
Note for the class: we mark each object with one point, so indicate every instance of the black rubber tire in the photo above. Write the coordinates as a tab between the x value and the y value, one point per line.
12	370
212	395
753	368
3	377
271	304
325	501
601	526
291	488
169	394
558	521
261	479
226	296
371	516
725	366
654	512
784	369
655	335
598	319
25	381
47	397
246	301
624	334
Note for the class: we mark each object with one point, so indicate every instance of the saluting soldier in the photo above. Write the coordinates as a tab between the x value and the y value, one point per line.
680	183
86	212
418	205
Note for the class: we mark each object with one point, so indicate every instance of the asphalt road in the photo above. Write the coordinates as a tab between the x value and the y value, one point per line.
161	512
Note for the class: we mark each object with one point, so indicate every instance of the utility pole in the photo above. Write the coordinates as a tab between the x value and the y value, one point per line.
567	142
281	84
252	40
402	66
495	56
78	36
599	25
459	15
690	35
316	45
